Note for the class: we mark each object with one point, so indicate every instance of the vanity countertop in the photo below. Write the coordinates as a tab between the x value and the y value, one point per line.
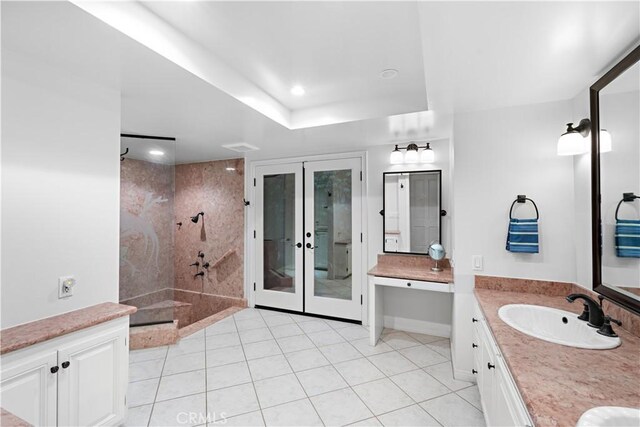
559	383
411	267
25	335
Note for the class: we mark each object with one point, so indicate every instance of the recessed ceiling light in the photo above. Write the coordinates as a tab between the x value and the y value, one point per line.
156	153
297	90
230	169
389	73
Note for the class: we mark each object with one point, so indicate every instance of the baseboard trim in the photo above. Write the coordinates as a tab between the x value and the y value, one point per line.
418	326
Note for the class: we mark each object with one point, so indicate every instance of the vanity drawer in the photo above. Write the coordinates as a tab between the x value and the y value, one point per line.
414	284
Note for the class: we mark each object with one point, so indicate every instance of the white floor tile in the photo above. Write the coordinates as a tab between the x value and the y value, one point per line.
292	414
444	373
224	326
363	346
145	370
443	347
423	356
340	407
278	390
353	332
277	319
314	325
227	376
471	395
247	324
173	386
252	419
222	340
147	354
419	385
323	338
369	422
142	392
185	347
358	371
286	330
196	335
255	335
306	359
452	410
295	343
336	324
224	356
268	367
392	363
321	380
424	338
337	353
399	340
408	417
138	417
184	411
232	401
247	313
382	396
184	363
260	349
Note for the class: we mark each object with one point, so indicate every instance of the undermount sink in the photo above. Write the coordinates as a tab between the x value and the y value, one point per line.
610	416
556	326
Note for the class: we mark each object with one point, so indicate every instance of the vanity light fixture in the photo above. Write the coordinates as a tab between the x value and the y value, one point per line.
605	141
573	141
156	153
412	154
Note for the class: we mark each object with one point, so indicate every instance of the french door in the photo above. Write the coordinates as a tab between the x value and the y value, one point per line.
308	237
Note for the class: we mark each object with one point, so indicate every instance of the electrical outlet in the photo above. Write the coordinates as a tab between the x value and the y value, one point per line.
477	263
65	286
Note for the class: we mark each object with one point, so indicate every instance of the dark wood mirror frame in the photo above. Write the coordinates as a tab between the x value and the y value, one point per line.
596	218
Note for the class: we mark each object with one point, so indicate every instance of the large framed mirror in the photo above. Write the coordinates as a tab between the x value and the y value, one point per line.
615	182
411	215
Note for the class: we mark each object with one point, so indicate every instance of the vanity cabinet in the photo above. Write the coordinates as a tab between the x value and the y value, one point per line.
77	379
501	402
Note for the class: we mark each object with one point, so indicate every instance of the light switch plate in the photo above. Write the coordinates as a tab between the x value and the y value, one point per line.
477	263
65	286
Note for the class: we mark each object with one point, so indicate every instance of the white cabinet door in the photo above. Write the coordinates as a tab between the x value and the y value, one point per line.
28	387
92	380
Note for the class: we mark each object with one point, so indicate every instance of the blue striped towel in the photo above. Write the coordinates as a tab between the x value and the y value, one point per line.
628	238
522	236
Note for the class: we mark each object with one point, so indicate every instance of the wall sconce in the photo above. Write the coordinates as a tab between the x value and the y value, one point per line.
572	142
412	155
605	141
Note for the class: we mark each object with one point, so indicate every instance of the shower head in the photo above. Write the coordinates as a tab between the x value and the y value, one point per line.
194	219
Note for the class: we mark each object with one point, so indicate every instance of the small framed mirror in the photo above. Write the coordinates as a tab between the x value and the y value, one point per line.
615	177
412	213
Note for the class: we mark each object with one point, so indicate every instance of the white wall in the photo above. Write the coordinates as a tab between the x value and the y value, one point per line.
500	154
60	190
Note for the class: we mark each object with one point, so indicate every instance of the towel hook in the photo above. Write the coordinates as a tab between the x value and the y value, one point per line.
521	198
626	197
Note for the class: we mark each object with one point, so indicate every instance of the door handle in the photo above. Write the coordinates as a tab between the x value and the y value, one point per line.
310	246
65	365
298	245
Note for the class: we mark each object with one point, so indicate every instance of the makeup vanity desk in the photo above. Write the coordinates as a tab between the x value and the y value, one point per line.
403	271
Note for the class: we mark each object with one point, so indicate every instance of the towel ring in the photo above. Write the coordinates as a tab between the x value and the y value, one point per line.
523	199
626	197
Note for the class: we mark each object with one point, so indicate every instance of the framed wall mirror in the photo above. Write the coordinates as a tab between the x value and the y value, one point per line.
615	182
411	215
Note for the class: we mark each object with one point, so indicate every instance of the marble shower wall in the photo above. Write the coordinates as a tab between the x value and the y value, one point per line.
210	188
146	228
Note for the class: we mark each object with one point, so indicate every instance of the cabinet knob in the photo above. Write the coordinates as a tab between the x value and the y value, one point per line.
490	366
473	371
54	369
474	345
409	284
474	320
66	364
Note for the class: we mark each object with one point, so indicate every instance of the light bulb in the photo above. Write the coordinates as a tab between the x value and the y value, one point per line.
411	156
427	155
571	144
156	153
396	158
605	141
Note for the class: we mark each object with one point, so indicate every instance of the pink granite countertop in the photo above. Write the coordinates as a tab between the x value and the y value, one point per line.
8	419
414	267
559	383
21	336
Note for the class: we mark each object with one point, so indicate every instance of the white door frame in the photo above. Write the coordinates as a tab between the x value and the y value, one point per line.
278	299
250	218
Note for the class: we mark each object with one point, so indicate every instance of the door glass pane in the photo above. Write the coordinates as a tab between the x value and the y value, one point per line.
279	232
332	216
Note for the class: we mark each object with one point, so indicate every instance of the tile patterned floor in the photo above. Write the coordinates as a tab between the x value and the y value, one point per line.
261	367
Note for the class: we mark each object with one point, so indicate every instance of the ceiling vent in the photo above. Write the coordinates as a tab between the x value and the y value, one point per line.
240	147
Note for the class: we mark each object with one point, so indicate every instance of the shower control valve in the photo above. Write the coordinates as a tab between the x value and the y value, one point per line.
200	254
